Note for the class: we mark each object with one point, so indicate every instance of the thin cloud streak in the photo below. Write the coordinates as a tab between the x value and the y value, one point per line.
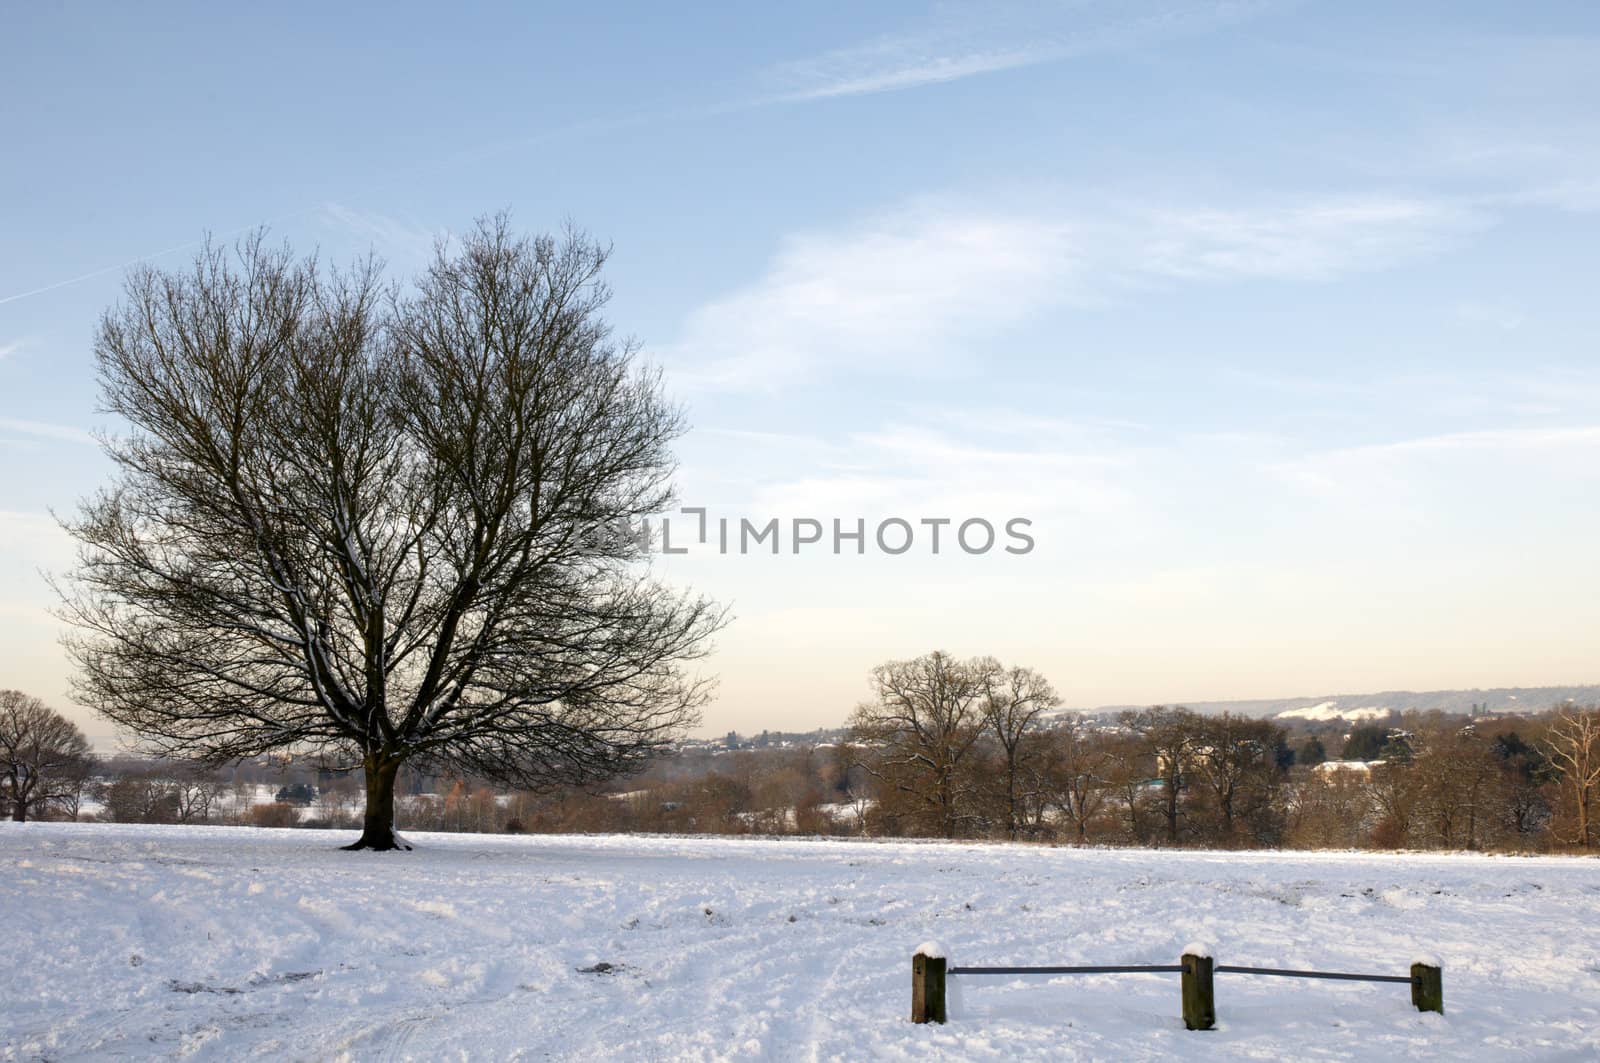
46	430
402	238
130	263
963	43
1371	471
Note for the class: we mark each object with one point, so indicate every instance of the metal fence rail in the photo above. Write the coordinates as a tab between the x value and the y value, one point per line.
1134	968
1223	968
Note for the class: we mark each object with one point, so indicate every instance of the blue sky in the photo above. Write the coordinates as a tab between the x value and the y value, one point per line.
1277	320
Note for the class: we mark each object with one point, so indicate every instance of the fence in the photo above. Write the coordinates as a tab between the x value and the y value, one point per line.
929	968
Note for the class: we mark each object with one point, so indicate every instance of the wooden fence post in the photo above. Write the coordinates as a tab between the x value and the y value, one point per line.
927	984
1199	1002
1427	987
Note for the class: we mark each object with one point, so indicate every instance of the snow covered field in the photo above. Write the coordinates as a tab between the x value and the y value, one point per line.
224	943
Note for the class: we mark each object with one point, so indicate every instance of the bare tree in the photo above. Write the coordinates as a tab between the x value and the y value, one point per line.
1078	773
196	794
926	716
1331	808
1394	791
1128	773
385	529
139	796
1236	763
1455	771
42	754
1169	736
1014	700
1574	746
1526	782
70	785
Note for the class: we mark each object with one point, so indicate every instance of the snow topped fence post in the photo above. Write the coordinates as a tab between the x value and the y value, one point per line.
1427	986
1199	1001
927	983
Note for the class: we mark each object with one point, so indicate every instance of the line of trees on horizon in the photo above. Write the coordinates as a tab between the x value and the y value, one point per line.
952	748
947	756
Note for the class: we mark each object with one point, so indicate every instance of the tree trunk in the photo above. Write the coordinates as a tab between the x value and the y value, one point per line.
1011	793
947	809
377	829
1170	812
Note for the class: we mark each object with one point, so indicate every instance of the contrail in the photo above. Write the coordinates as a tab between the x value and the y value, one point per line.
80	278
93	273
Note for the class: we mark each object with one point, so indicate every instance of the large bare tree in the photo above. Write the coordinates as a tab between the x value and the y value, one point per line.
385	525
43	755
918	731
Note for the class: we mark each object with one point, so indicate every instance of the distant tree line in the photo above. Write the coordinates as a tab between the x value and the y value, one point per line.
946	757
958	749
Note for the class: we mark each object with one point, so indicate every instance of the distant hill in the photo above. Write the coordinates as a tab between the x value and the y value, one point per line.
1365	706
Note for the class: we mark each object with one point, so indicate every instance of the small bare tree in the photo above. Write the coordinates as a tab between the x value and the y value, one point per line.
43	755
1077	773
1574	746
1014	701
1394	791
383	527
1169	737
1128	768
196	794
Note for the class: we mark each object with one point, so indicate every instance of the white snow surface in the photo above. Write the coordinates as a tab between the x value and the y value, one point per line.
236	943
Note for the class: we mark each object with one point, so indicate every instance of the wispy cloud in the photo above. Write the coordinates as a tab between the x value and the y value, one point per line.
46	430
892	293
1447	460
1511	162
1310	241
889	65
8	349
1489	440
961	42
387	234
915	288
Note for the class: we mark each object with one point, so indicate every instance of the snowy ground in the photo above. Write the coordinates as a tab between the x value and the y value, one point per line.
234	943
